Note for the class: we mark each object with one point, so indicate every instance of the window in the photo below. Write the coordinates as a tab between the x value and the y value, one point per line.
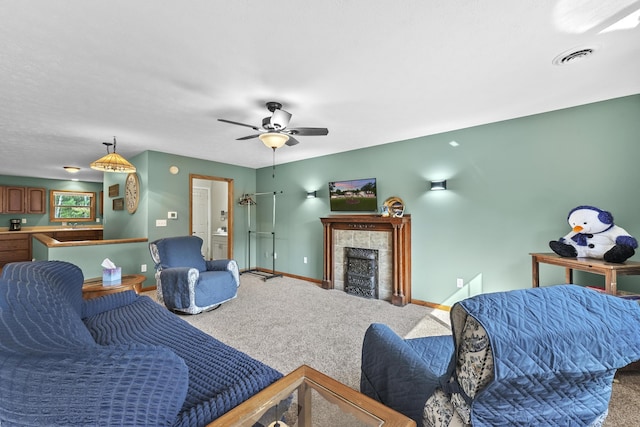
73	206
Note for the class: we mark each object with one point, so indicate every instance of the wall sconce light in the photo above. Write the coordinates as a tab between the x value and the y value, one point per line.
439	185
312	194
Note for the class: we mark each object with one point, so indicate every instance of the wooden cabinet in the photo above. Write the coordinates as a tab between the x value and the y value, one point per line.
15	247
20	200
35	201
73	235
14	200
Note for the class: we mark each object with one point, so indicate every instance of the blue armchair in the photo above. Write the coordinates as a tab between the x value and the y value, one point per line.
540	356
186	282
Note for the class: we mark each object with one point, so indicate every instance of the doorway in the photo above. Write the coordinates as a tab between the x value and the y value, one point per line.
211	214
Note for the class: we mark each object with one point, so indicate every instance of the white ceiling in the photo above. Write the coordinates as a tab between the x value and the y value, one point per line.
158	74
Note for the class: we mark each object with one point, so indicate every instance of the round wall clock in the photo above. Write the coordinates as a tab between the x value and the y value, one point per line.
132	192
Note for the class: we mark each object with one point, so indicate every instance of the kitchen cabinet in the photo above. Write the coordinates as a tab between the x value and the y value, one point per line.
13	202
73	235
35	200
14	247
20	200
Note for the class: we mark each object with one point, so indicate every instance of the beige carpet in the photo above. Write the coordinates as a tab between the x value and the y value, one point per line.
286	323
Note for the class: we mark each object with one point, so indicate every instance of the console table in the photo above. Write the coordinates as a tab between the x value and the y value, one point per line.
610	271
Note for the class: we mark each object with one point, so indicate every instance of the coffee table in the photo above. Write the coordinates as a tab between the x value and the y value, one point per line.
317	395
93	288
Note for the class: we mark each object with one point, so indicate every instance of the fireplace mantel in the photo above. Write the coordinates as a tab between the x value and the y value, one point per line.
400	229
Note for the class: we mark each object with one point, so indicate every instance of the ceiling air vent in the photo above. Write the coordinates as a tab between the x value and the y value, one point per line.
573	55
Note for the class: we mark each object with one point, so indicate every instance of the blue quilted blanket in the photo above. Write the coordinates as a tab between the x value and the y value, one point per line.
553	342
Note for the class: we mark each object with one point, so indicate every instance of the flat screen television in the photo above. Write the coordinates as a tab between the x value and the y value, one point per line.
353	195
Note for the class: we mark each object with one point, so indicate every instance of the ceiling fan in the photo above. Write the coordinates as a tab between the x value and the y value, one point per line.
274	132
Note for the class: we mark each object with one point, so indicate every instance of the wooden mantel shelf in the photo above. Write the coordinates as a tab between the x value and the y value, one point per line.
400	229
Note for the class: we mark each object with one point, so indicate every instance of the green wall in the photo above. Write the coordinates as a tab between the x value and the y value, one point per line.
40	220
510	187
89	258
162	192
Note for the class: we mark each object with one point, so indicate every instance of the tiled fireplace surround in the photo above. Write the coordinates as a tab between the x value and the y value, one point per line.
391	237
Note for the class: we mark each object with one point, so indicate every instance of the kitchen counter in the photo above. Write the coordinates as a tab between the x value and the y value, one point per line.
50	242
16	246
50	229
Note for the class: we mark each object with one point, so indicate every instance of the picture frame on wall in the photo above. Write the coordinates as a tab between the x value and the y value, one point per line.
118	204
114	190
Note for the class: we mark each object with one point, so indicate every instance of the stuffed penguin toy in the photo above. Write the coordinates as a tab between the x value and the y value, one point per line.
594	235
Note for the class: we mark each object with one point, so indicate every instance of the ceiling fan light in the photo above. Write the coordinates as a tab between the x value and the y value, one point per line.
273	139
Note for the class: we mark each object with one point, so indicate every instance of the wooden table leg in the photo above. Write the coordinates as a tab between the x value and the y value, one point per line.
535	272
304	400
568	275
611	282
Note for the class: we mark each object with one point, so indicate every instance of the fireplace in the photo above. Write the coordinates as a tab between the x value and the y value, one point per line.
390	237
361	272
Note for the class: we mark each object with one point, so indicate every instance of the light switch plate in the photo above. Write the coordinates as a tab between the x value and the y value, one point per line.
172	215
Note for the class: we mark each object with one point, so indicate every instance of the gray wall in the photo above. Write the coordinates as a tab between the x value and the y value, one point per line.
510	187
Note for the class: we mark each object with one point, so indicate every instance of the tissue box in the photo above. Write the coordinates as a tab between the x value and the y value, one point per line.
111	276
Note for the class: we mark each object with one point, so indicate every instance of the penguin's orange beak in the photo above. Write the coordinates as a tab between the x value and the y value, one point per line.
577	229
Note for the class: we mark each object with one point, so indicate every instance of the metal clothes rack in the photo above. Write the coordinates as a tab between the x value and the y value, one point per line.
249	201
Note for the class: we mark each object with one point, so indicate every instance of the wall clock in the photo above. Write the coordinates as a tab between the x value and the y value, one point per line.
132	192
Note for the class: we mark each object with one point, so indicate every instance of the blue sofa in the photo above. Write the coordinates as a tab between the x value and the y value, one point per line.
120	359
534	357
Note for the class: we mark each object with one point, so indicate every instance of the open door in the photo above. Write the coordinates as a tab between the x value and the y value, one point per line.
211	214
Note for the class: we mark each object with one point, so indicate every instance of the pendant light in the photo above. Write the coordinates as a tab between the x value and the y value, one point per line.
113	162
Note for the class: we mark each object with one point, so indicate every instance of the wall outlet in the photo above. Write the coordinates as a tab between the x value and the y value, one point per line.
24	220
143	268
275	255
459	282
161	222
304	260
98	220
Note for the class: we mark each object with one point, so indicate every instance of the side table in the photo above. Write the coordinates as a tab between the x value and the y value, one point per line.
610	271
94	288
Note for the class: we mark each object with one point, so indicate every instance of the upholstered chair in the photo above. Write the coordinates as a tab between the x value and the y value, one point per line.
531	357
186	282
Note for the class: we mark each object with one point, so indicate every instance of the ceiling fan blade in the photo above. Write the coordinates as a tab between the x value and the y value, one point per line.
239	124
280	119
248	137
309	131
292	141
